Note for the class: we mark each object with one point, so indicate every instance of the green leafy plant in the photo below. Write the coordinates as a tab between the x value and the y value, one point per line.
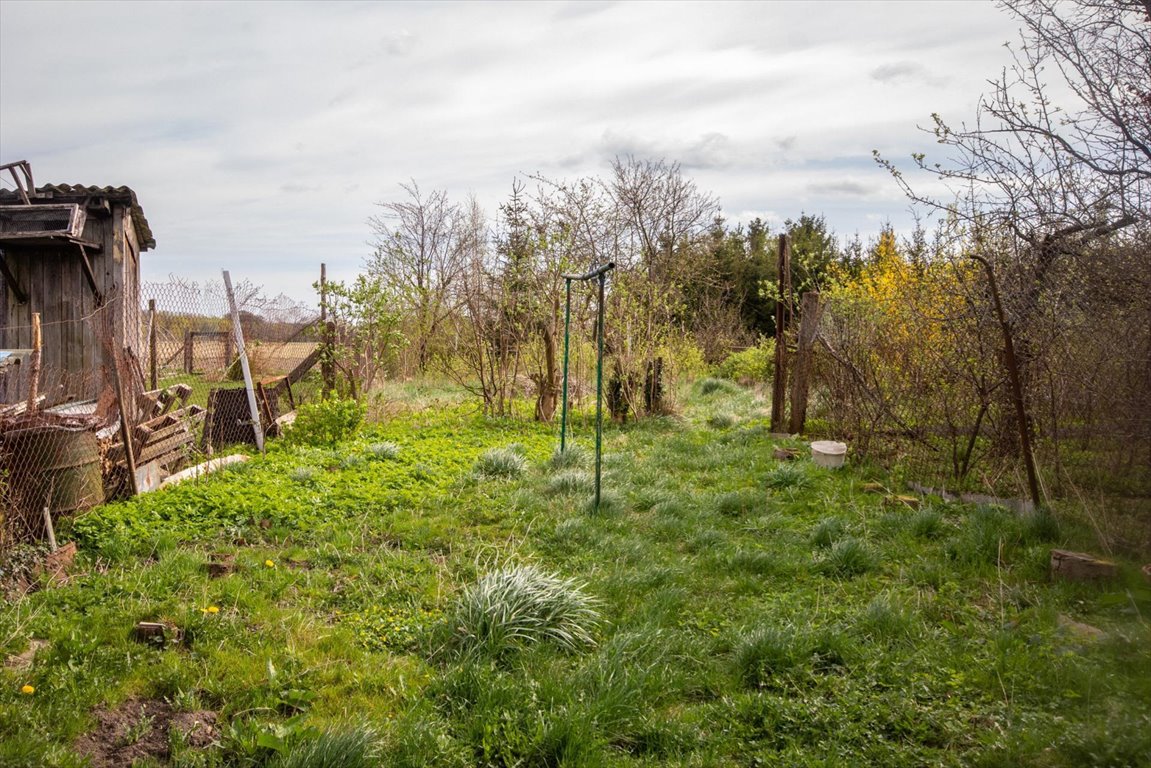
749	366
326	422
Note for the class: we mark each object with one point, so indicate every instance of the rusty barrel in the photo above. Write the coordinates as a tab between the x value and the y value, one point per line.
56	467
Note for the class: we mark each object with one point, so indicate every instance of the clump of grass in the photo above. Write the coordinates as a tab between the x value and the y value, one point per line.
710	386
926	524
500	463
516	607
384	451
334	749
352	461
571	457
570	481
788	476
829	531
1041	525
304	475
764	654
848	557
609	501
722	420
884	618
738	503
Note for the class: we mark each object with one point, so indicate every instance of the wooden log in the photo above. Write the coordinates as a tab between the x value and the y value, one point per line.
34	375
189	340
1080	566
801	373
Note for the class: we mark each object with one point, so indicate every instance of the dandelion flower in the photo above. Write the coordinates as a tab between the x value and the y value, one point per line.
270	563
27	690
210	609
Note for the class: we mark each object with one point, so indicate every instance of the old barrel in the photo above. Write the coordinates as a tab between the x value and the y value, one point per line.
53	466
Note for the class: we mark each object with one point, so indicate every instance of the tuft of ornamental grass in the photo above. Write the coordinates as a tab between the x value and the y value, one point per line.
354	748
516	607
570	481
722	420
383	451
609	501
738	503
304	475
787	476
848	557
500	463
710	386
884	618
571	457
829	531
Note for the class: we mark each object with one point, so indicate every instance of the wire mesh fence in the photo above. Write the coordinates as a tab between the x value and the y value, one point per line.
98	407
916	378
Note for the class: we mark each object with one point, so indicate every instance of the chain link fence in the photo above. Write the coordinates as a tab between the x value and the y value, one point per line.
95	408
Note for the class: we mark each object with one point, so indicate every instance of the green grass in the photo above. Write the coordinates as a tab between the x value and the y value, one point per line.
721	609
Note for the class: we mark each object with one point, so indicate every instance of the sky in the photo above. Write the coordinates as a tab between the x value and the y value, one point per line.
259	136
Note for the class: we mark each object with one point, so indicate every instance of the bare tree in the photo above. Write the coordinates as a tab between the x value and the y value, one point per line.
420	255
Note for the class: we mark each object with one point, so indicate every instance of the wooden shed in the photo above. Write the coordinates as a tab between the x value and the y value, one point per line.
71	253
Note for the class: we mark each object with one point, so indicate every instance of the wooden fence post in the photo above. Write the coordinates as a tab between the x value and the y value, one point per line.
153	354
782	317
327	328
189	338
809	309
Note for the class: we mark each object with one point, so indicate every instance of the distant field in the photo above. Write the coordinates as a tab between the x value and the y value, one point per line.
265	357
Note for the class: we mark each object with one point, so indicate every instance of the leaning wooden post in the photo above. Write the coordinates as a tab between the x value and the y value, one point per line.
809	309
153	354
779	376
253	407
34	368
125	425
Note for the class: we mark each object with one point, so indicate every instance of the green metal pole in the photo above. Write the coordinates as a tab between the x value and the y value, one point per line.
599	395
564	406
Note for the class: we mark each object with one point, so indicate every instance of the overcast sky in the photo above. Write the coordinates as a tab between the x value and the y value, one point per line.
258	135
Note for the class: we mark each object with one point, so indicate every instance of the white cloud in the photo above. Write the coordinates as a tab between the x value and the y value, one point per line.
258	137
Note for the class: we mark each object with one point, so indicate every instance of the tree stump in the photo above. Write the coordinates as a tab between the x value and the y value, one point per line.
1079	566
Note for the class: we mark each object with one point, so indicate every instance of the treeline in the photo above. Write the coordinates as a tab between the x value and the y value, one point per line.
449	289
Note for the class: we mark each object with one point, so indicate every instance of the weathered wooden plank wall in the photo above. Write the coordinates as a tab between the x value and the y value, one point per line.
57	288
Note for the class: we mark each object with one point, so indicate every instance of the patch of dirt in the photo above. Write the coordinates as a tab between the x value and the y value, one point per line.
143	728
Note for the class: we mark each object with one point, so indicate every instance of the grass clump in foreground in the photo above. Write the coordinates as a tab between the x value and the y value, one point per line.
500	463
745	612
513	608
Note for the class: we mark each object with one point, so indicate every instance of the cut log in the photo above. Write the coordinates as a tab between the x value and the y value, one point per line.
1079	566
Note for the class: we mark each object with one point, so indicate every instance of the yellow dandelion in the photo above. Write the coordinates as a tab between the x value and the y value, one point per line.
210	609
270	563
27	690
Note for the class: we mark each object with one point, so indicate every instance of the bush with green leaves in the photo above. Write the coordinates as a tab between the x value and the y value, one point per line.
751	365
517	607
326	422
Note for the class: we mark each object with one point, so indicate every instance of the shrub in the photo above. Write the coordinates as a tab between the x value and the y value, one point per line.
751	365
516	607
326	422
500	462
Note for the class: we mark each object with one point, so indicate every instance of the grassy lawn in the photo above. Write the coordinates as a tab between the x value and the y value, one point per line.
414	597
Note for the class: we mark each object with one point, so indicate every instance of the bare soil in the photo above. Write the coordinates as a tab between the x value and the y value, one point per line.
142	729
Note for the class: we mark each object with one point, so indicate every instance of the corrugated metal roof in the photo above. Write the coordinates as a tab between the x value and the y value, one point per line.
79	192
